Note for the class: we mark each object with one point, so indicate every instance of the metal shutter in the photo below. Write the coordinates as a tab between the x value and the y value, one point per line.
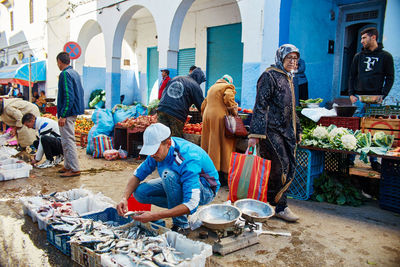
186	58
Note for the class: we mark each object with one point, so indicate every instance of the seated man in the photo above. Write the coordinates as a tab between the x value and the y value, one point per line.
188	178
49	140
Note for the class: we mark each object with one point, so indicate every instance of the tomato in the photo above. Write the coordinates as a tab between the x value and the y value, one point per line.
239	109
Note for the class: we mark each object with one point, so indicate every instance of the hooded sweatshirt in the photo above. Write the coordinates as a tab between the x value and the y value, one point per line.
372	72
182	92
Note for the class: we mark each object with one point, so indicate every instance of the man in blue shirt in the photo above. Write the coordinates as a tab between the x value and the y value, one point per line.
188	178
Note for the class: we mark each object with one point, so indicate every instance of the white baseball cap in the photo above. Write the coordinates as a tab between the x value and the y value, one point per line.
152	138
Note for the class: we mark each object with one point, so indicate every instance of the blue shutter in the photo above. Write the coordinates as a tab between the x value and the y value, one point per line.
186	58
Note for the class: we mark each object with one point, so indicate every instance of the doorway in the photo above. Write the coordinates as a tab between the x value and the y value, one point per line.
225	55
352	19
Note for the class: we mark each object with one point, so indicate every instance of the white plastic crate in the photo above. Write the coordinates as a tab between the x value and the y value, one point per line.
196	251
14	171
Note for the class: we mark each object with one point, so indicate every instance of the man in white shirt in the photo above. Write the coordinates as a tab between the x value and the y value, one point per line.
49	140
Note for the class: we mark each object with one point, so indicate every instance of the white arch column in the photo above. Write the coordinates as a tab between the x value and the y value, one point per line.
169	27
260	37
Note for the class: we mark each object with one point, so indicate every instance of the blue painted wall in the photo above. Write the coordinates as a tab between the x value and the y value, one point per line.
95	78
310	30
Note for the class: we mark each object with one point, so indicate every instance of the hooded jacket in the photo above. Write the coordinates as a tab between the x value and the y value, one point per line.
372	72
182	92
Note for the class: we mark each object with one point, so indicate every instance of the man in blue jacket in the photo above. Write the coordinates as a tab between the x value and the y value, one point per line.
180	94
187	179
69	105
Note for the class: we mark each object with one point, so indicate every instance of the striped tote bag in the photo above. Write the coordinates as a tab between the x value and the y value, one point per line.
248	177
101	144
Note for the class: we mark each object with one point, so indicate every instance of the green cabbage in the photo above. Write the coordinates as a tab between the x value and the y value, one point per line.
383	140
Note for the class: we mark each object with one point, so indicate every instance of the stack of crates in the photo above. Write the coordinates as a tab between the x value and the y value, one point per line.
309	166
389	188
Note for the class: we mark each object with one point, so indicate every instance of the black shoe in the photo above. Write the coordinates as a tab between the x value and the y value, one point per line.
180	230
376	166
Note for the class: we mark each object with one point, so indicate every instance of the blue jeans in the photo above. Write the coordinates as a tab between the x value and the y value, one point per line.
166	192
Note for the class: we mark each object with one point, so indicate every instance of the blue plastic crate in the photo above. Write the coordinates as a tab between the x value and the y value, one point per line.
310	165
389	188
109	214
60	242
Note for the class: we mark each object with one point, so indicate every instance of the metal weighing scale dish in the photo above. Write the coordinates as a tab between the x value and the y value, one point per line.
254	210
219	216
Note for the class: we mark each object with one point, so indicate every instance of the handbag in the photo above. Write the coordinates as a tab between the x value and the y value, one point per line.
248	177
234	126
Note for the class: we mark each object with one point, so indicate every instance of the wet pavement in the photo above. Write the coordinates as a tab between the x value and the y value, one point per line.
326	235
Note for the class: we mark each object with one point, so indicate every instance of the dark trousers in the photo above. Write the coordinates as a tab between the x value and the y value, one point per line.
51	146
303	91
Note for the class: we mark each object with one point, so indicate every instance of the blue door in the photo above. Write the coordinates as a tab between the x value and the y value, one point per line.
152	71
225	55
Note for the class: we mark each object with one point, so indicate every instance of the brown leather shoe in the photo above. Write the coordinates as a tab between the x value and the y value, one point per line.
70	173
63	170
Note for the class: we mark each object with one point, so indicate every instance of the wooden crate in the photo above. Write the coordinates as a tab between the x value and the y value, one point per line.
84	256
78	138
389	126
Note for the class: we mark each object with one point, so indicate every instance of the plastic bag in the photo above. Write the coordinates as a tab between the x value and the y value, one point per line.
111	154
123	154
122	114
103	124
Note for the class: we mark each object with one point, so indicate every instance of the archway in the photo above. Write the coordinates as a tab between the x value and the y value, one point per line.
208	34
137	78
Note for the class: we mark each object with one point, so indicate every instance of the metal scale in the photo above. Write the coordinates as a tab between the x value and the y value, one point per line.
234	227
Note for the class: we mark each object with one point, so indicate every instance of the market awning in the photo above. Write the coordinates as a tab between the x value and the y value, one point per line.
20	73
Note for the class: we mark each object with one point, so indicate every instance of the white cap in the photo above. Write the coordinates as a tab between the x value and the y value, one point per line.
152	138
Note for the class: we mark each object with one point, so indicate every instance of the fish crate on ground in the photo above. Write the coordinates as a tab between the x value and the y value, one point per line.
107	215
87	257
388	126
195	253
58	240
14	171
352	123
389	188
309	166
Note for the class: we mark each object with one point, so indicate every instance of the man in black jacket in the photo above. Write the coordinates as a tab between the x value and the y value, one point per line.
371	73
372	70
181	93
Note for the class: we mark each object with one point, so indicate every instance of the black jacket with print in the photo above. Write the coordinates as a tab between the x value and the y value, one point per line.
371	73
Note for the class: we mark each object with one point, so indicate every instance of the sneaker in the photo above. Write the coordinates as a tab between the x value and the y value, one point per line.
58	159
180	230
287	215
46	164
376	166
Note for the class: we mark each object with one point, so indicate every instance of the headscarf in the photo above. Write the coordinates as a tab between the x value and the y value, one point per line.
282	52
227	78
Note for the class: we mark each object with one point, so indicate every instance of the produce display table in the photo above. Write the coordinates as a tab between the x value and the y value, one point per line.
389	188
128	139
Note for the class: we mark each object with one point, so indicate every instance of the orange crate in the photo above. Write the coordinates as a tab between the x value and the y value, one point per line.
388	126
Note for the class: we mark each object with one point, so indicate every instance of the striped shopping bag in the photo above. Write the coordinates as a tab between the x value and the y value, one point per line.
101	144
248	177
